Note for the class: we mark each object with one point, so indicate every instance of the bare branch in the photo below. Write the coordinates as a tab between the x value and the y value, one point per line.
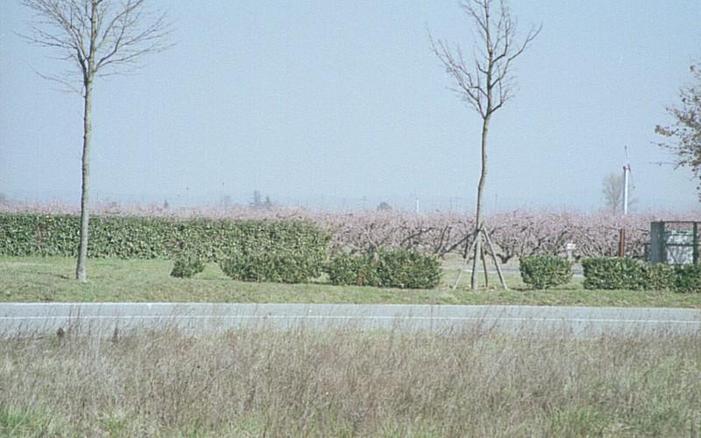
683	136
485	83
67	85
98	35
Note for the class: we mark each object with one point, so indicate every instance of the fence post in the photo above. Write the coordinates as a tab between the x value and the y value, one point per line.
622	242
696	243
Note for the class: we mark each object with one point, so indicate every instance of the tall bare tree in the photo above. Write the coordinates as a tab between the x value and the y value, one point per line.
612	189
96	38
485	83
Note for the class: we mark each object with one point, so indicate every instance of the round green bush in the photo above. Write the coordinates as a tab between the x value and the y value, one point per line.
275	265
187	266
386	268
543	272
350	270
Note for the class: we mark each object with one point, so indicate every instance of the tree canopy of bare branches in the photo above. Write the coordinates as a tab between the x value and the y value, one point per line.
684	134
484	81
612	190
96	38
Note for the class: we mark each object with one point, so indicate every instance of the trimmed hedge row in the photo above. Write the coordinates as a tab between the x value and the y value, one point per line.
149	238
627	273
613	273
386	268
288	251
543	272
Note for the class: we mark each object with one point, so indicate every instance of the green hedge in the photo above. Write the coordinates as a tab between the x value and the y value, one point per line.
626	273
386	268
613	273
688	278
151	237
543	272
658	276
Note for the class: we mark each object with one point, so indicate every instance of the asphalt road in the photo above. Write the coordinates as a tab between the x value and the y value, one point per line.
102	318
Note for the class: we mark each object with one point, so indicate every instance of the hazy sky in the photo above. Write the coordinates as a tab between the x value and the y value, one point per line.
323	101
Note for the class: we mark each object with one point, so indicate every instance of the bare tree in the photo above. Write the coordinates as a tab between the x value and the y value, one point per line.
96	38
485	83
612	189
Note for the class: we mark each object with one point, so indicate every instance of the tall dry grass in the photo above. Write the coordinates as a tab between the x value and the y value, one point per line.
345	382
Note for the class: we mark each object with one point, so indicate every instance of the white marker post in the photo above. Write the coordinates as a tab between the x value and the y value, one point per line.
626	173
622	231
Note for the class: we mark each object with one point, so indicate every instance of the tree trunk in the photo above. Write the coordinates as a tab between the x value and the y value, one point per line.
88	66
80	272
478	212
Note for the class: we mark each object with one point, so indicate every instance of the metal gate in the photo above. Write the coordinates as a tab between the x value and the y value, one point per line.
674	242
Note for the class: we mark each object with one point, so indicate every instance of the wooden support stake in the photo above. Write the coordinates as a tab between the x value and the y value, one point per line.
484	267
496	262
467	259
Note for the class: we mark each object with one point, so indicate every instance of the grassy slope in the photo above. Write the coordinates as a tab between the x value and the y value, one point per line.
50	279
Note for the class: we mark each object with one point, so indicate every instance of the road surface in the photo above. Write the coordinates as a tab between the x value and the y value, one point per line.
102	318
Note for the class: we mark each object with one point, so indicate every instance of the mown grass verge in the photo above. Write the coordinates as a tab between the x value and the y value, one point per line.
36	279
342	382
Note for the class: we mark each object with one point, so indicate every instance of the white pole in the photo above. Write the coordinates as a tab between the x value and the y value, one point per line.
626	171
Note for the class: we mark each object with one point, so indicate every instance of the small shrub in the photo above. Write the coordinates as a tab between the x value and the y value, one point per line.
408	269
613	273
279	266
282	252
346	269
543	272
187	266
688	278
386	268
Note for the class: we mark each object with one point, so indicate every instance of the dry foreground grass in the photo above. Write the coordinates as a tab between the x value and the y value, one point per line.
263	382
50	279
